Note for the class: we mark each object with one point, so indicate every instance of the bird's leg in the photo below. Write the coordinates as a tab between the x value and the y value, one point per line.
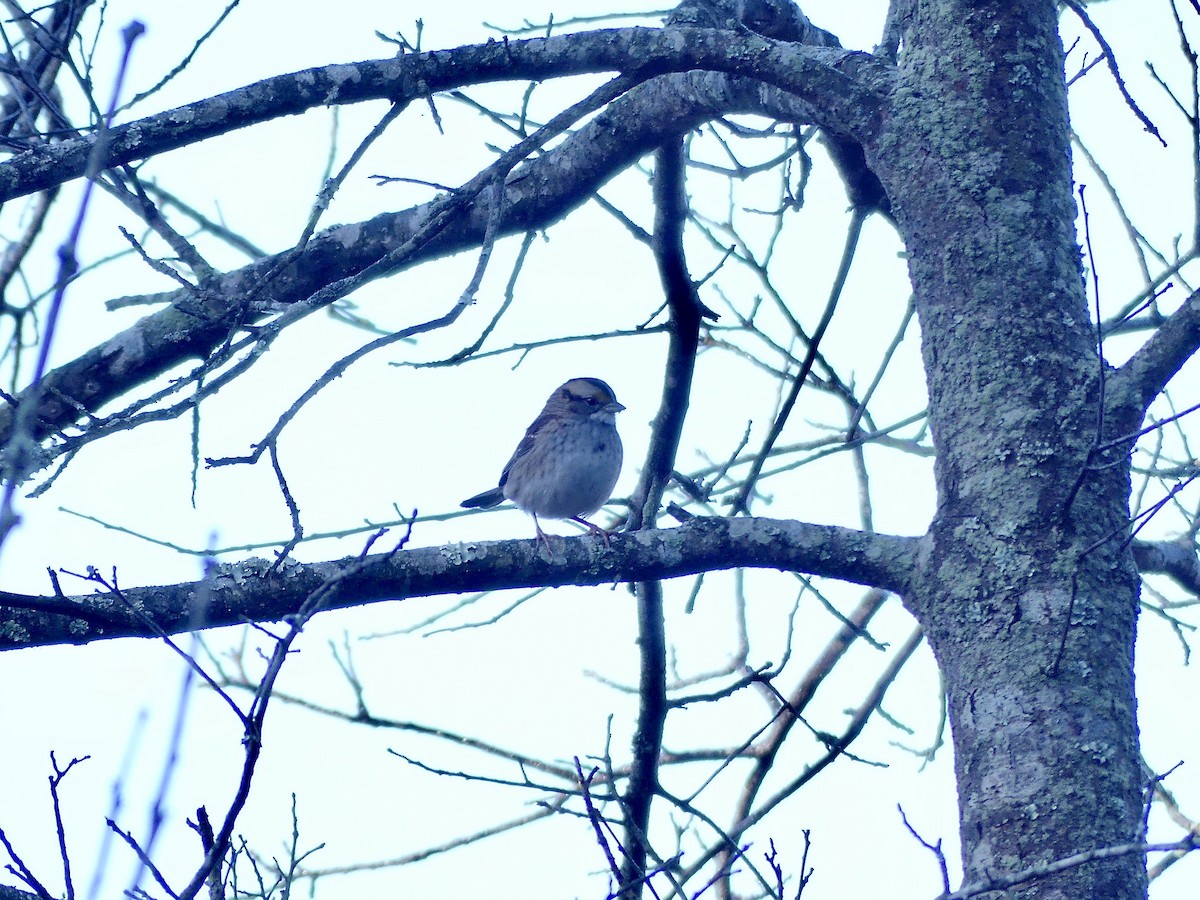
594	529
542	537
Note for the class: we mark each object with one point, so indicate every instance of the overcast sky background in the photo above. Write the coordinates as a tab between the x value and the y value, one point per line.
387	437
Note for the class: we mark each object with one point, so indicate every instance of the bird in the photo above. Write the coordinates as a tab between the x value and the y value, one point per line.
567	463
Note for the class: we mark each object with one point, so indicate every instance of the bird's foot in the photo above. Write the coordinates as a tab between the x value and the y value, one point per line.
594	529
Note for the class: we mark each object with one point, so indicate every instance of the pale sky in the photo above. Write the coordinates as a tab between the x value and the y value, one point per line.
426	438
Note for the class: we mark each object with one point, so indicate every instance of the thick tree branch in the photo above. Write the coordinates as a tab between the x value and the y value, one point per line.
647	738
670	200
850	102
1147	372
249	591
1175	559
536	195
670	203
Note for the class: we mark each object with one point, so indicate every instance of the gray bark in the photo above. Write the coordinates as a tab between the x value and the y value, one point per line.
1025	583
975	158
255	590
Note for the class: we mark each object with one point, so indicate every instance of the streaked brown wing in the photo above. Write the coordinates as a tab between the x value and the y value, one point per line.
526	445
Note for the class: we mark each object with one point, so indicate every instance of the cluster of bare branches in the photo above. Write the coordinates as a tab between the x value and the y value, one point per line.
730	169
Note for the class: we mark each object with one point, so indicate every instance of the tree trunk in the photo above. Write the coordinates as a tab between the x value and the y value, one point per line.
976	160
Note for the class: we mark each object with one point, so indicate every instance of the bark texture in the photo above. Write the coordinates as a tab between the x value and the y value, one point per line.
255	590
1025	583
976	160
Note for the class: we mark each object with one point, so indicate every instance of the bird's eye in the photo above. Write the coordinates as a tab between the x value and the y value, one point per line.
591	401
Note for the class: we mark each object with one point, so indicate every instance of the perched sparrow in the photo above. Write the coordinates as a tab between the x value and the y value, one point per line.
567	463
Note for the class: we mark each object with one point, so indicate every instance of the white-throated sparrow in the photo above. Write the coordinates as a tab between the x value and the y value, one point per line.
567	463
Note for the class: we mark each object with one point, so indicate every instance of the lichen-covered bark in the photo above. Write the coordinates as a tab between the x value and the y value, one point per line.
971	146
975	157
255	590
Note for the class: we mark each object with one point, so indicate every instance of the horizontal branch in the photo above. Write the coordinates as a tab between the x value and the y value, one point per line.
250	592
807	71
998	883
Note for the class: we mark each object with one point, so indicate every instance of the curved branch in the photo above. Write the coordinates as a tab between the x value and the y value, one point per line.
252	591
1175	559
849	105
1147	372
12	893
671	213
686	311
536	195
